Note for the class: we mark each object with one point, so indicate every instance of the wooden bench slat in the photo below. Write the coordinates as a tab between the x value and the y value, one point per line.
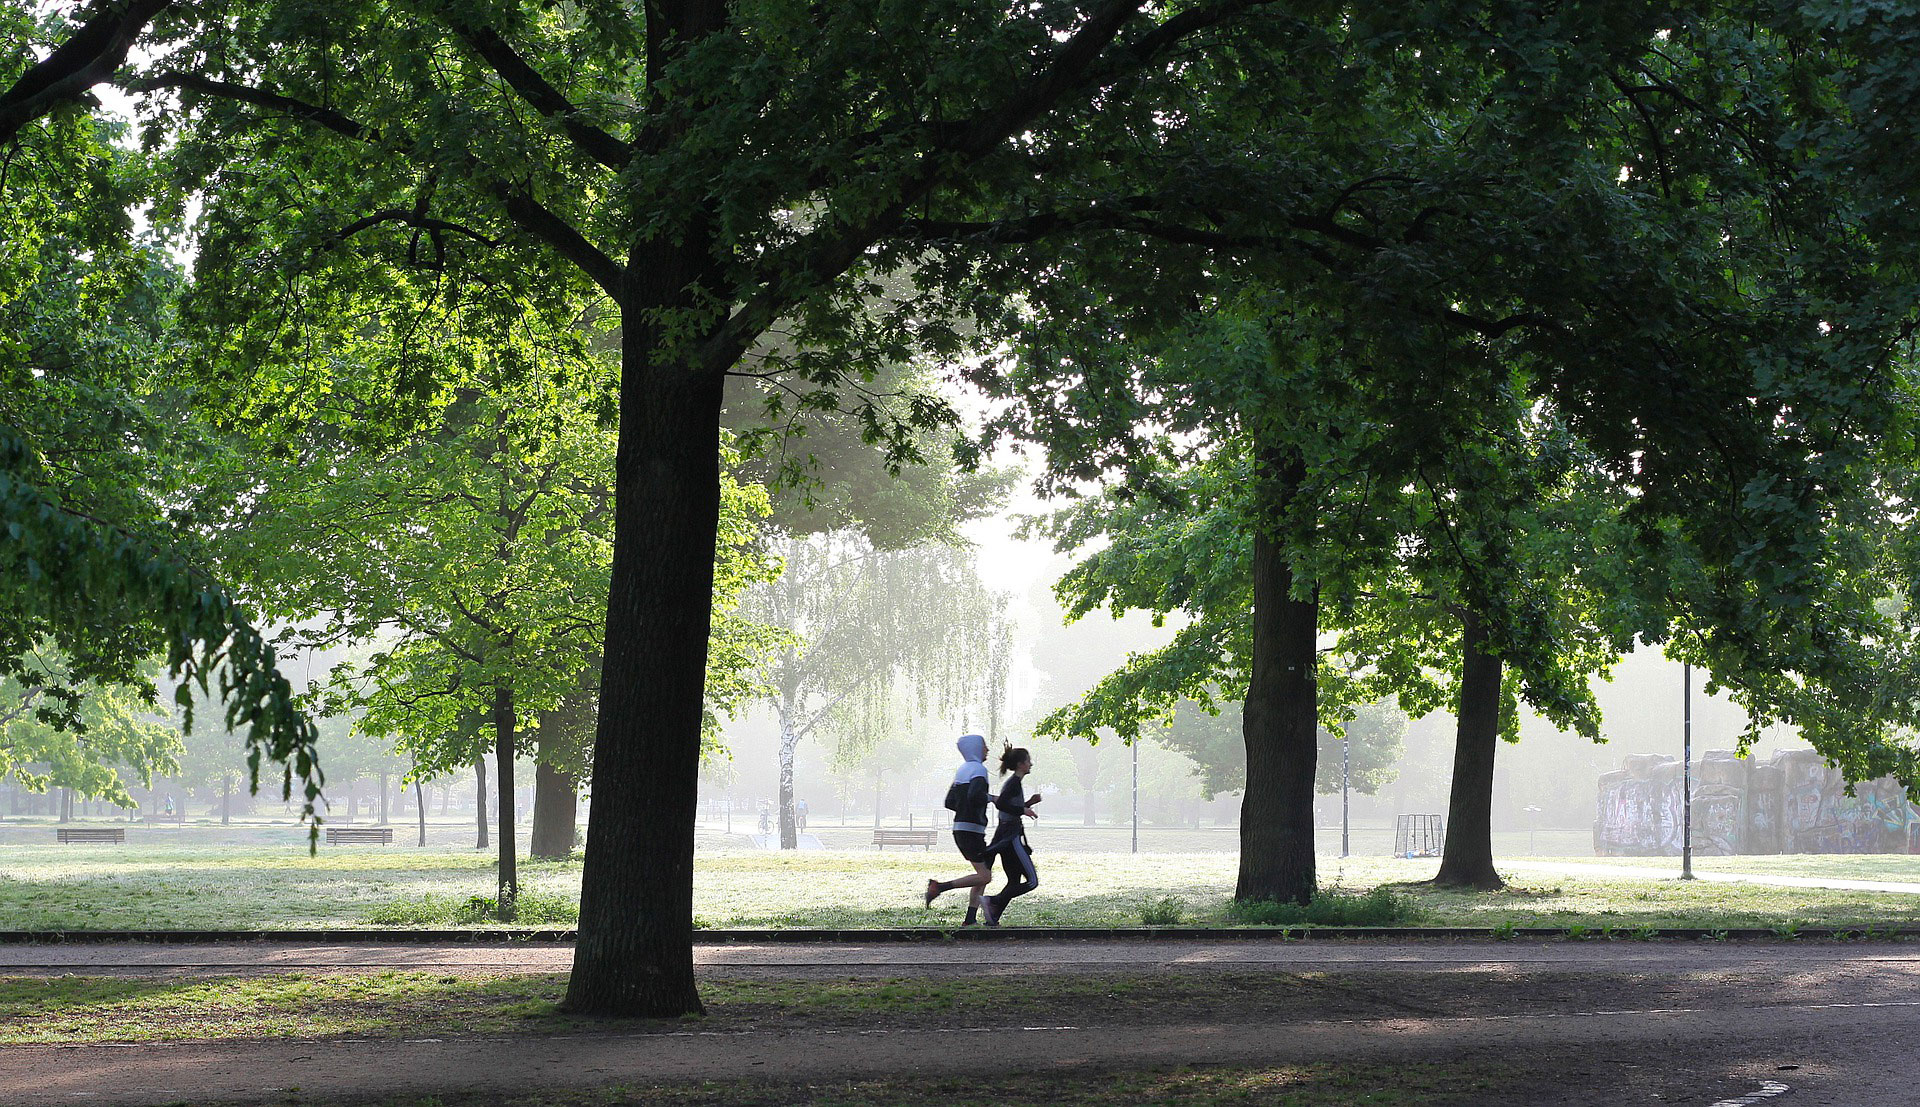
116	835
888	836
380	834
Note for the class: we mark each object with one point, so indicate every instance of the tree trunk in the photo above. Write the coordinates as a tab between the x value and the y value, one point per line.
555	800
556	794
789	741
382	820
66	805
480	800
420	808
634	955
508	899
1467	859
1280	727
226	798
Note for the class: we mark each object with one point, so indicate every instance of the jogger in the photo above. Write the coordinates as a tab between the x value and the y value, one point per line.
967	798
1010	837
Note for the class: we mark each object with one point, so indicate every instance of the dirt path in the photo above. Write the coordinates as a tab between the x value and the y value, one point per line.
1835	1055
1556	1023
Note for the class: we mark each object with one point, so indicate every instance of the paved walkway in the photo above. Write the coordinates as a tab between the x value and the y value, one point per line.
1641	872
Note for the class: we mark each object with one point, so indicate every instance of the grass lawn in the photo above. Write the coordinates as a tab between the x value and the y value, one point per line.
1872	866
153	886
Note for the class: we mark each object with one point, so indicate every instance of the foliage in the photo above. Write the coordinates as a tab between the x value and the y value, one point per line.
1376	734
101	568
873	630
466	558
113	726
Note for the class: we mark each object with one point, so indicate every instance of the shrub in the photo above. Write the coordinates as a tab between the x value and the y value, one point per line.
428	910
536	908
1165	911
1330	907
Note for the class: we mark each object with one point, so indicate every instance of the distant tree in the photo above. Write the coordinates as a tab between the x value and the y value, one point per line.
474	554
47	742
1373	739
872	630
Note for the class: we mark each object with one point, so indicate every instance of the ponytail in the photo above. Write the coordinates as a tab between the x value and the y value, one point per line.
1010	757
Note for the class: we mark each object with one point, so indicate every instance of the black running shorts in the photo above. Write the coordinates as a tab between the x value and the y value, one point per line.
972	843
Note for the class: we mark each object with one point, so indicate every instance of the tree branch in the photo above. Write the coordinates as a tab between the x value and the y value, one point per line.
410	218
797	270
545	99
90	57
519	206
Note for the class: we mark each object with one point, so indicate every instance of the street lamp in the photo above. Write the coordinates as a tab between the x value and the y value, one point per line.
1686	771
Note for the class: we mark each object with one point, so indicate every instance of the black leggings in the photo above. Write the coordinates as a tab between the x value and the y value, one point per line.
1022	877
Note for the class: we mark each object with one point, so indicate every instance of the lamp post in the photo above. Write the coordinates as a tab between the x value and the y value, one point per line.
1686	771
1135	746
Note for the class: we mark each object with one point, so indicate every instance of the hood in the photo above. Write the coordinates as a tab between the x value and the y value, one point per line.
973	749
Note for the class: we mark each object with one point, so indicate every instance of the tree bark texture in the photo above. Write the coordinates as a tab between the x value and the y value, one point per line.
508	898
1467	859
480	801
420	808
382	821
1280	726
634	955
555	802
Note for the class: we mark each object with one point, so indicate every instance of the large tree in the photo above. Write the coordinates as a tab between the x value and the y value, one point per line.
711	170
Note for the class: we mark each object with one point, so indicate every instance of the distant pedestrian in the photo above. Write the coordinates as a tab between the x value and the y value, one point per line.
967	798
1010	837
800	815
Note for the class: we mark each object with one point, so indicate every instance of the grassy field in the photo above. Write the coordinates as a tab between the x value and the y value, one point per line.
1875	866
152	886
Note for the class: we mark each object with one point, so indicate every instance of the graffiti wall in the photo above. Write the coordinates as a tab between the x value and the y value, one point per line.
1794	803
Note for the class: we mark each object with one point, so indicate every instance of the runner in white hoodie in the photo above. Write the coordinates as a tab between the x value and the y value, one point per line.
967	798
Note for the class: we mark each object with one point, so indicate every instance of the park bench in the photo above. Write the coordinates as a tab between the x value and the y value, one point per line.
116	835
888	836
383	835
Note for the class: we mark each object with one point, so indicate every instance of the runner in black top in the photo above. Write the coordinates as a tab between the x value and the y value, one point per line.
1010	837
